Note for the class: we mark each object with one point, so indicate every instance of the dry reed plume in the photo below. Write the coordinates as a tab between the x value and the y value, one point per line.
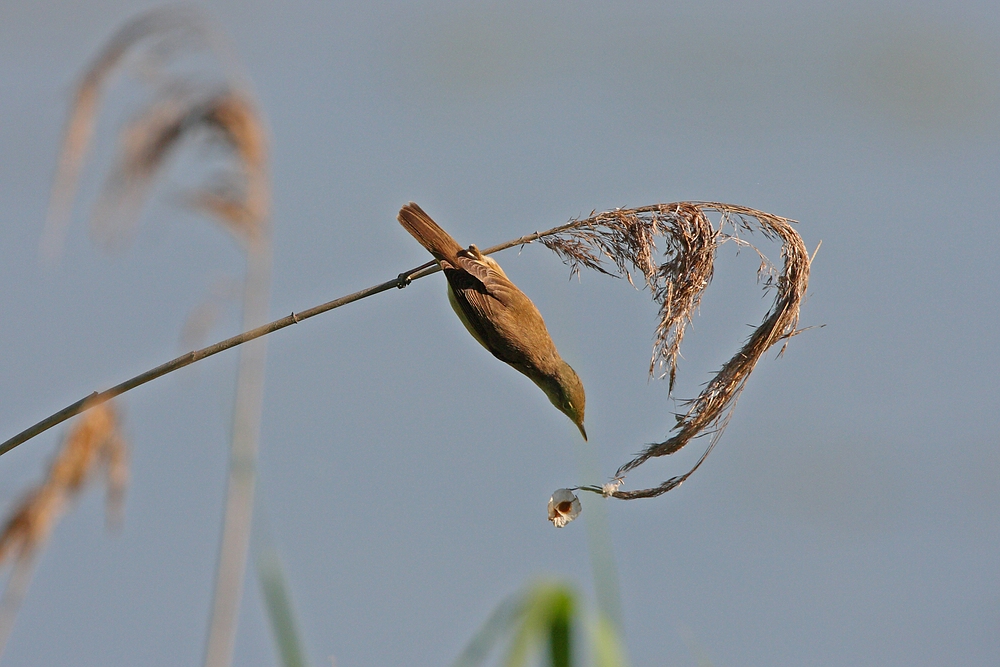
626	238
195	96
169	51
240	201
93	446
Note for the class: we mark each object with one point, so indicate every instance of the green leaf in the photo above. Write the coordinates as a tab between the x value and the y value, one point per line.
544	621
279	610
548	614
606	643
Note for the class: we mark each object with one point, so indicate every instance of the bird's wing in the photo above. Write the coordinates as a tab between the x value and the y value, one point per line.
494	309
494	282
476	266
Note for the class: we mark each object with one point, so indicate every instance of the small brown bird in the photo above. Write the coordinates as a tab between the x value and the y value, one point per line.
498	314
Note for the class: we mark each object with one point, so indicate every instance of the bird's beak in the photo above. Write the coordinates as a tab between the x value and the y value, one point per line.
583	431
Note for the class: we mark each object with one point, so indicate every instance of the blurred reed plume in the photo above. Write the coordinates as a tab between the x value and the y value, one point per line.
195	96
195	89
626	240
93	446
239	201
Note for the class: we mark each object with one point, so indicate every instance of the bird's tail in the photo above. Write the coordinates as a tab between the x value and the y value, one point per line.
437	241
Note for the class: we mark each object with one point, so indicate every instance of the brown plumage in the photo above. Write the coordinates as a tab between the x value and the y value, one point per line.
498	314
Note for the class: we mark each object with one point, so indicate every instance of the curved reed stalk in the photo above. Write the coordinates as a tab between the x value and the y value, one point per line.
626	238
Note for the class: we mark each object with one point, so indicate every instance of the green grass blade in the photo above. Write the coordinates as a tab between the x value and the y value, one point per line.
279	610
548	617
493	630
606	644
560	629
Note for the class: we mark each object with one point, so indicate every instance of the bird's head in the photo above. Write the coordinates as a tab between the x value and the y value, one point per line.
565	390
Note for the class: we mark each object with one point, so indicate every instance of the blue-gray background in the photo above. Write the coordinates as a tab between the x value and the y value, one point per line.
850	513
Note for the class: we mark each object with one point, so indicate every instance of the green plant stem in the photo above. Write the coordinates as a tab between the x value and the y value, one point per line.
280	612
96	398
